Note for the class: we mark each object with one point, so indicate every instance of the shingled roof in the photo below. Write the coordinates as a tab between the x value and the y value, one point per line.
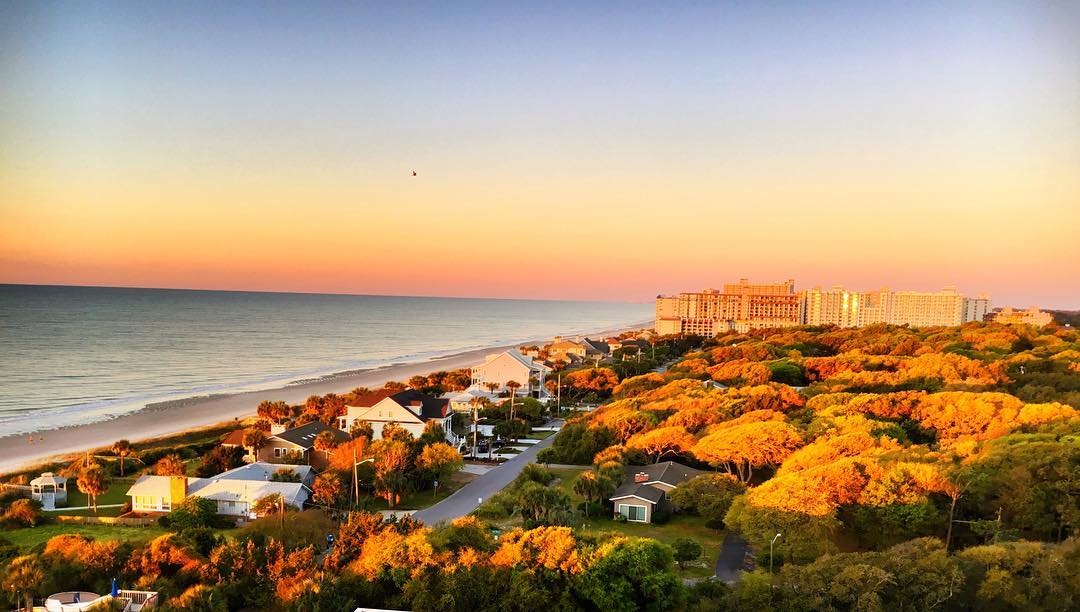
305	434
666	472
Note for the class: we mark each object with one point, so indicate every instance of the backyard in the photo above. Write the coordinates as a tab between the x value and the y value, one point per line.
30	537
679	526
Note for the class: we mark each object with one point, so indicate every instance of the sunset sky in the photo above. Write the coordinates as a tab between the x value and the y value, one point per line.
577	150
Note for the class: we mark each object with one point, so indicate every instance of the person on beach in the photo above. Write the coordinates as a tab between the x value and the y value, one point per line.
31	438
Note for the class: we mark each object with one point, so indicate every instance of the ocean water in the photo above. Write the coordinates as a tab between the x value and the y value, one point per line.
74	355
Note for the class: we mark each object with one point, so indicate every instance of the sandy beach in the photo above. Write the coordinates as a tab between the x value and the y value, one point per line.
16	452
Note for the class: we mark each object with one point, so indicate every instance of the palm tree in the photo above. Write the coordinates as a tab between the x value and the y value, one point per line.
254	439
492	387
326	441
93	482
513	385
24	576
122	449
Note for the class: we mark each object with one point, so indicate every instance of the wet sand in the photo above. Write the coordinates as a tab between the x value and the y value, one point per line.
156	420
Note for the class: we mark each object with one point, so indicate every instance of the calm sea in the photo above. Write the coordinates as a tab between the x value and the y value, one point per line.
73	355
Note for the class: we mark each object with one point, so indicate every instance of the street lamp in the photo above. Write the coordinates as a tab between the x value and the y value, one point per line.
770	550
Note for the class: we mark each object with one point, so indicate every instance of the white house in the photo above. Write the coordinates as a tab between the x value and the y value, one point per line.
501	368
235	491
410	409
462	401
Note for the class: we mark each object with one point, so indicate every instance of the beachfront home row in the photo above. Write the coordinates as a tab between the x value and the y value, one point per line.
236	491
287	445
646	489
410	409
500	368
580	349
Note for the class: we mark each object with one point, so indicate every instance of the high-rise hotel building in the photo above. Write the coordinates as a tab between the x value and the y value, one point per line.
745	306
844	308
740	306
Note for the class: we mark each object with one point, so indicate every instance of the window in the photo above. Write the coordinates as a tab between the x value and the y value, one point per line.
277	453
632	513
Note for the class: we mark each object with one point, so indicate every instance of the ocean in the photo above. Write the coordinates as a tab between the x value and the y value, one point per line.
76	355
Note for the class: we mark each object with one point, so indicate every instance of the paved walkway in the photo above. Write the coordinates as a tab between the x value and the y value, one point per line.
466	499
731	558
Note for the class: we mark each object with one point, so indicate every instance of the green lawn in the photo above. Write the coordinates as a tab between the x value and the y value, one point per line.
116	494
506	450
540	435
29	537
679	526
565	482
418	500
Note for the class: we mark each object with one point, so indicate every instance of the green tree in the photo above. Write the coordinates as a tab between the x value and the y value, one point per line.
92	481
193	512
686	550
708	495
636	574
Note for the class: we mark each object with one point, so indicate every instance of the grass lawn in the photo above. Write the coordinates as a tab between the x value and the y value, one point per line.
30	537
540	435
679	526
116	494
418	500
566	480
506	450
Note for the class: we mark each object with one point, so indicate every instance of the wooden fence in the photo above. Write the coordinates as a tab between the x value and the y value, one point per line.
108	520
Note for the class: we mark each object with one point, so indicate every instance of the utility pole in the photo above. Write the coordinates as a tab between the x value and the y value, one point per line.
356	479
558	395
474	428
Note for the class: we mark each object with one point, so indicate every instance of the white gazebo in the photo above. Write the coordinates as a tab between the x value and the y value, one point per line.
49	489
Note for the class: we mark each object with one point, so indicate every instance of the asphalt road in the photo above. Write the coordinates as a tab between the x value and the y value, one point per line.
466	499
731	558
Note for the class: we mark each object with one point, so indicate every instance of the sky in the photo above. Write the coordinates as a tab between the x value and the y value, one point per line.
606	151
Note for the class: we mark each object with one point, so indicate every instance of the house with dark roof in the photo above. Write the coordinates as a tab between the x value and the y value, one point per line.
296	445
409	409
579	349
646	490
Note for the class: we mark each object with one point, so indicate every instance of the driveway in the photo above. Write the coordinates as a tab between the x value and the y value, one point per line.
466	499
732	556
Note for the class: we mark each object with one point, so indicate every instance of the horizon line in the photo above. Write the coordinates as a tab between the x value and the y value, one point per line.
322	293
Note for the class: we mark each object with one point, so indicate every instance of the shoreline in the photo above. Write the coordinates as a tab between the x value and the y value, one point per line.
179	415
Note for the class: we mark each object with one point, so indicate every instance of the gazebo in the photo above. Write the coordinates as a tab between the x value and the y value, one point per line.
49	489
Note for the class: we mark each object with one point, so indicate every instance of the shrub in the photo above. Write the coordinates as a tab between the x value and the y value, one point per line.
193	512
686	550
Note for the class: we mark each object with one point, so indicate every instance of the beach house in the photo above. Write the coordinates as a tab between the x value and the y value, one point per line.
235	491
410	409
646	490
501	368
287	445
462	401
578	349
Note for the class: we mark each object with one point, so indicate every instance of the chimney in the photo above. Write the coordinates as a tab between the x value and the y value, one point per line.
177	488
276	428
641	477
